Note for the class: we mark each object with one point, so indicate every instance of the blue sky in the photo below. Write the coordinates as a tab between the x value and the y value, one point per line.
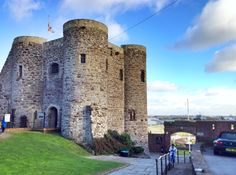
190	45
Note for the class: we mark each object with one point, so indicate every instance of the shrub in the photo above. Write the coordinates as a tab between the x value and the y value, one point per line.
126	140
113	142
136	150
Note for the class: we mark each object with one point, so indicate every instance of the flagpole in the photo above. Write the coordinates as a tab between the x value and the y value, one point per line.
189	143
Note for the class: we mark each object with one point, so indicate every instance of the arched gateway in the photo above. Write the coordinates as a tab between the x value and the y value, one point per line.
52	117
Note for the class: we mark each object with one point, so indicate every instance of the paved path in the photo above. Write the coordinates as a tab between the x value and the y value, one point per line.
181	169
220	165
137	166
143	166
4	135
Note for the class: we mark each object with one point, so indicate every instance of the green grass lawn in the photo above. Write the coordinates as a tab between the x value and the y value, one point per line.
156	129
181	152
35	153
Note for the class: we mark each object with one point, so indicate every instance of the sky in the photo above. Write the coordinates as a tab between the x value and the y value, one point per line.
191	44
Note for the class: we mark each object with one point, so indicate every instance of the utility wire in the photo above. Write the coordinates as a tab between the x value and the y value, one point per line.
145	19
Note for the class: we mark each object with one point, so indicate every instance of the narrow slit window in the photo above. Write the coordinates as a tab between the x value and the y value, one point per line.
106	64
20	71
83	58
121	75
132	114
142	76
111	52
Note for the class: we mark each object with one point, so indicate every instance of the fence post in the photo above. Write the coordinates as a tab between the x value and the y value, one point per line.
184	156
178	156
156	166
169	164
166	164
161	167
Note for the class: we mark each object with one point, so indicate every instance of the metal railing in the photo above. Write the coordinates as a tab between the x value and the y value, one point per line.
165	164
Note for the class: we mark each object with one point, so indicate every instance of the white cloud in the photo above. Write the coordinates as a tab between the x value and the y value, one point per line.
161	86
161	3
212	101
116	32
107	10
20	9
101	7
215	25
224	60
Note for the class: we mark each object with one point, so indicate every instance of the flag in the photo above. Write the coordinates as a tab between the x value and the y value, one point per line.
49	26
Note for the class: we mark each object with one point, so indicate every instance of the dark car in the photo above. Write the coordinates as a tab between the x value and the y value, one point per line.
225	143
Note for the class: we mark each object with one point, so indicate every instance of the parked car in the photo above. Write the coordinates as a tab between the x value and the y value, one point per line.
225	143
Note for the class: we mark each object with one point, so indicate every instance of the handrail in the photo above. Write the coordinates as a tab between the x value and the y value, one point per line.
165	164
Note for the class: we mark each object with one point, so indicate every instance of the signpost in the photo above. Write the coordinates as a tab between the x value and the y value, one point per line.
7	117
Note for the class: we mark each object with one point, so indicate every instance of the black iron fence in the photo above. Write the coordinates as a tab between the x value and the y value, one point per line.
165	162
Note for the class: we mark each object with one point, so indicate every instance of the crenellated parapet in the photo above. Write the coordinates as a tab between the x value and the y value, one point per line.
82	23
29	39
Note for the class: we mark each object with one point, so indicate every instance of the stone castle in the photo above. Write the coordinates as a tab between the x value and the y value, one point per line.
80	84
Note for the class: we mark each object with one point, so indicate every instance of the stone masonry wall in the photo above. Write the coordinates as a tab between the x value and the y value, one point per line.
52	97
96	87
84	84
5	86
115	88
27	80
135	93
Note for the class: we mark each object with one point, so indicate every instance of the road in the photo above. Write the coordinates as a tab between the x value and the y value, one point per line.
220	165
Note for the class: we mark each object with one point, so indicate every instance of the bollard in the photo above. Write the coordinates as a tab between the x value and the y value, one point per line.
156	166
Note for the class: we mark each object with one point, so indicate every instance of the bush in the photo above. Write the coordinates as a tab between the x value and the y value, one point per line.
126	140
136	150
106	145
113	142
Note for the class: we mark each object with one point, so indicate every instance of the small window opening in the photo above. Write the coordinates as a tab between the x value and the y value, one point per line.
88	110
82	27
0	87
121	75
116	53
142	76
111	53
132	114
83	58
54	68
106	64
20	71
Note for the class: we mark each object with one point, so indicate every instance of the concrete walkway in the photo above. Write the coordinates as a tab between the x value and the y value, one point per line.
137	166
181	169
143	166
4	135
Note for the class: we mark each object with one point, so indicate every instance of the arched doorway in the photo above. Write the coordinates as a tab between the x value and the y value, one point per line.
183	139
52	117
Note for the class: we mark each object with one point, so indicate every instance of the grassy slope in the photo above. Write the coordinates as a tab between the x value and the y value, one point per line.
34	153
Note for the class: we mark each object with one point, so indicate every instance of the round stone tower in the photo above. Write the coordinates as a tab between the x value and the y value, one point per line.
26	96
135	93
84	80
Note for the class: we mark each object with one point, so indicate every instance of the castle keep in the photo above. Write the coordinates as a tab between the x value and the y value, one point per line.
80	84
